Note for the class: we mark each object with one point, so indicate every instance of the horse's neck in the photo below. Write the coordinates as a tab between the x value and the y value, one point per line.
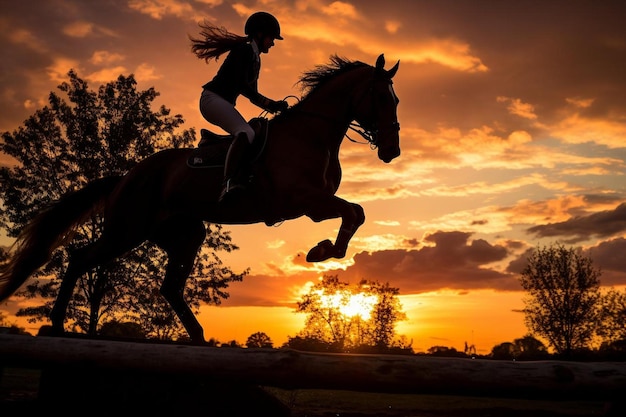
330	106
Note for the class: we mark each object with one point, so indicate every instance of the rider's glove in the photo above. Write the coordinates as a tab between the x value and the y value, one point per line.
277	106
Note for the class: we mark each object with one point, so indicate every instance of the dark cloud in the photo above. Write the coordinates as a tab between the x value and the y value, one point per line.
453	262
603	224
610	257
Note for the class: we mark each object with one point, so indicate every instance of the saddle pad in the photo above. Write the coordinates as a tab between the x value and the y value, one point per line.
210	155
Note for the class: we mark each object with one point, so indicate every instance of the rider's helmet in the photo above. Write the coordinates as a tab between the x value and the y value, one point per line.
263	22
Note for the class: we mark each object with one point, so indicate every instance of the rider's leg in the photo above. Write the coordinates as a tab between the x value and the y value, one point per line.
234	172
220	112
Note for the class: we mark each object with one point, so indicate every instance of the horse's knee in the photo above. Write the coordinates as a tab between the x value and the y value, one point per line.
359	214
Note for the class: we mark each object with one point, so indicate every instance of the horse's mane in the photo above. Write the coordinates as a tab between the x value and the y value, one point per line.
319	75
312	79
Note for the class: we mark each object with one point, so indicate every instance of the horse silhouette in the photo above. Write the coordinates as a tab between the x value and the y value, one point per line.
165	200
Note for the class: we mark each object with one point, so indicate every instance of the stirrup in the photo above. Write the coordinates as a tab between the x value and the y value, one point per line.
229	187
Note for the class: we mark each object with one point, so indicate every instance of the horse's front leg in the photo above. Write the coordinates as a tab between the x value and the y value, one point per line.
352	216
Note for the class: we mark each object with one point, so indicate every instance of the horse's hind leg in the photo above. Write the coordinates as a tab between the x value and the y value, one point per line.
82	260
181	239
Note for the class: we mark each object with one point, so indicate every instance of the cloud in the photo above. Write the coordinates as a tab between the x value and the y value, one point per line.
609	257
518	108
105	57
448	260
603	224
577	129
106	75
392	26
158	9
26	38
444	260
79	29
451	53
146	72
341	9
580	102
57	71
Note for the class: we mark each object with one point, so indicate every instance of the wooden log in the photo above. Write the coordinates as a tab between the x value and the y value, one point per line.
291	369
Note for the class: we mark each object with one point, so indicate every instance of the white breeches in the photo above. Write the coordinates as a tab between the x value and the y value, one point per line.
221	113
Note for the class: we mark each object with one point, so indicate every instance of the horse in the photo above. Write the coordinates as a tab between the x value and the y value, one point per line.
166	201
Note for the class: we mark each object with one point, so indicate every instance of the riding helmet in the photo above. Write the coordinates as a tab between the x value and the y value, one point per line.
263	22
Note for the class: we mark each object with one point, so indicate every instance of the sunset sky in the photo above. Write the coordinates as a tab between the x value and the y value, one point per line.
513	135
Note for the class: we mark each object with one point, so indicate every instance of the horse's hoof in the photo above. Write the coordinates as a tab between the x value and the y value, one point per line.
324	250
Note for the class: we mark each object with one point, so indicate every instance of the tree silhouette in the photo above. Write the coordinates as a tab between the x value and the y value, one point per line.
445	351
563	294
529	348
82	135
386	313
524	348
346	318
612	316
503	351
259	340
124	329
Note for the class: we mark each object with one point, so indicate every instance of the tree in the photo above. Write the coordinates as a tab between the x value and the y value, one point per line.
232	344
259	340
563	292
529	348
385	314
445	351
612	326
524	348
503	351
126	329
80	136
325	321
348	318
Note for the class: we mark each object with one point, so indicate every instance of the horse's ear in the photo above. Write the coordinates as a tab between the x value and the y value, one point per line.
380	63
393	70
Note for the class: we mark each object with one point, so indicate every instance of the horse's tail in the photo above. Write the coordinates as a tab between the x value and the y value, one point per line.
51	228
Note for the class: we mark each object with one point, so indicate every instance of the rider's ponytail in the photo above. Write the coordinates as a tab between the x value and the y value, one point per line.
215	41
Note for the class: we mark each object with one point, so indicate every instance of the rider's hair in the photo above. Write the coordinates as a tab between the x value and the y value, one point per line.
215	41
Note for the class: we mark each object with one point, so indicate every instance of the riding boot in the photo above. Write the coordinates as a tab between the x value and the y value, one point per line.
234	178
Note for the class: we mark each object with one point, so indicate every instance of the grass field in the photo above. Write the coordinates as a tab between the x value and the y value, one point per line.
19	397
318	403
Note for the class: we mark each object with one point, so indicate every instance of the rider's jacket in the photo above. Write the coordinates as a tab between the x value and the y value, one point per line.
239	75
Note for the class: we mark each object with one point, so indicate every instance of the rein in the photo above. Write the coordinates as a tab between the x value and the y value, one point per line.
370	135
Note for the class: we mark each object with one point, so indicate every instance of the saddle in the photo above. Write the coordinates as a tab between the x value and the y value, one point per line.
212	148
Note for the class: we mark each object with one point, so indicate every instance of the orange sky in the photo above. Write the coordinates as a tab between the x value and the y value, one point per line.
513	117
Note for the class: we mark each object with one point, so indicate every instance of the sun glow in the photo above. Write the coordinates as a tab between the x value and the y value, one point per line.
350	304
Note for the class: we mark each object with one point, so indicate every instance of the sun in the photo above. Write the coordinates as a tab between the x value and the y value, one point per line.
349	304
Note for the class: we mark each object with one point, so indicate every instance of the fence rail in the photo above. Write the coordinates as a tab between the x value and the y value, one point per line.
299	370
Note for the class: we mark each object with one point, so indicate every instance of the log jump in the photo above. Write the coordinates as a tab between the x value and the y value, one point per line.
292	369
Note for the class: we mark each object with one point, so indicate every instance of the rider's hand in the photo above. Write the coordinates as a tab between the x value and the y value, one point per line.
278	106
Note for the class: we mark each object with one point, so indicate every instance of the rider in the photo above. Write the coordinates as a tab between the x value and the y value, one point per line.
238	75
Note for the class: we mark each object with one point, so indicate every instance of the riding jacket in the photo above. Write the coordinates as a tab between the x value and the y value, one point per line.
239	75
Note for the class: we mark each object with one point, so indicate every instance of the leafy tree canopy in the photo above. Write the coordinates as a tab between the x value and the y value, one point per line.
82	135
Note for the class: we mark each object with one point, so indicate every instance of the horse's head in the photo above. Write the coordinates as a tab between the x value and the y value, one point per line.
376	111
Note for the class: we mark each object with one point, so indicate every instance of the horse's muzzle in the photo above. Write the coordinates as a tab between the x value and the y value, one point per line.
389	153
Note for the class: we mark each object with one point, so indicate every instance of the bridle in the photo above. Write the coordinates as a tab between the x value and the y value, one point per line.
370	134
